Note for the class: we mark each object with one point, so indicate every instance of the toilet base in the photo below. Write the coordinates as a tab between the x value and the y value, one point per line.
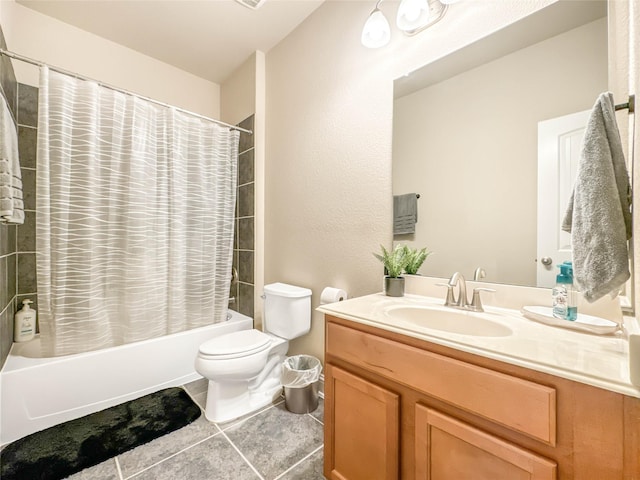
229	401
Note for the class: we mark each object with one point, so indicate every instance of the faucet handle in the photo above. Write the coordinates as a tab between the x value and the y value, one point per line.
449	301
476	303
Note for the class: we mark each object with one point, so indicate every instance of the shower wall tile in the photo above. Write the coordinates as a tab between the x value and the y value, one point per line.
4	276
245	266
246	139
27	105
246	233
246	167
6	332
27	233
245	200
7	239
245	299
26	273
12	281
29	188
27	141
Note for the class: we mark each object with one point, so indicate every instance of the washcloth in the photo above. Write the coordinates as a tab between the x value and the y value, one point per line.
11	205
405	213
599	212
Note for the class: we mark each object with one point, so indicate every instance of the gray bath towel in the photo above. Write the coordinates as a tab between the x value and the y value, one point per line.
405	213
599	214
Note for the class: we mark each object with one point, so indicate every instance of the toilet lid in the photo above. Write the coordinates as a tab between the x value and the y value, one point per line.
244	341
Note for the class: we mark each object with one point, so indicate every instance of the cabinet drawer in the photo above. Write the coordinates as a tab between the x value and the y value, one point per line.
521	405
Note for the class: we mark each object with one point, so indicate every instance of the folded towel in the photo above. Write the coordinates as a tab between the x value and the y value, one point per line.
405	213
11	205
599	214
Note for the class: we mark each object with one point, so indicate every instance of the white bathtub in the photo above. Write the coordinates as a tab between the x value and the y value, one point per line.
37	393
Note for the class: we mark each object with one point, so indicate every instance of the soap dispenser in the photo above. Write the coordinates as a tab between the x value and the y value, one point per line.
25	323
564	294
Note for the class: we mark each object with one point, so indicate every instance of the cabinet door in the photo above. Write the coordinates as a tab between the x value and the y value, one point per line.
448	449
361	428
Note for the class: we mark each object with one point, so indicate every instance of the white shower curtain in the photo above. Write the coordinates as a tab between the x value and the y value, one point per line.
135	217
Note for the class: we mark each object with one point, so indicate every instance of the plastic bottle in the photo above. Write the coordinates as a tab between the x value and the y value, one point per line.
24	323
564	294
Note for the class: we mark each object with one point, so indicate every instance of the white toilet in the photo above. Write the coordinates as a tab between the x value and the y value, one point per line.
243	368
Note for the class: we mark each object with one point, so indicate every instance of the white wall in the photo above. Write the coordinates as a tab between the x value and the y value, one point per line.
57	43
238	93
468	145
329	121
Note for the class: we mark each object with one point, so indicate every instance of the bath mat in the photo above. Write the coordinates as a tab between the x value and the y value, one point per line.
65	449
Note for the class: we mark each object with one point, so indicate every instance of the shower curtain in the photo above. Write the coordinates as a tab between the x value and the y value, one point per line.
135	217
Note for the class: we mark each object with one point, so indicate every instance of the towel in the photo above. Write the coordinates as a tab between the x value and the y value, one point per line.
11	206
599	212
405	213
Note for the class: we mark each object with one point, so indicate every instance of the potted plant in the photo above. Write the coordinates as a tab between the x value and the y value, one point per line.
394	261
415	260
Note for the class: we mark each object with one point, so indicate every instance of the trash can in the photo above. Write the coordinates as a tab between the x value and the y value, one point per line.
300	378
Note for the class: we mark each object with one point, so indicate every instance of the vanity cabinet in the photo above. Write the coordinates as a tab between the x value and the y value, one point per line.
397	407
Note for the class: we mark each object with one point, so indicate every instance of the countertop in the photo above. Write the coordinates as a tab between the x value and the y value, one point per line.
598	360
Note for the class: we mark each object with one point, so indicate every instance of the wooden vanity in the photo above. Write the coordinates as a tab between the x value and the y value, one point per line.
399	407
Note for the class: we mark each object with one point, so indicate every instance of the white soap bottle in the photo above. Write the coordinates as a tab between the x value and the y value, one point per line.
25	323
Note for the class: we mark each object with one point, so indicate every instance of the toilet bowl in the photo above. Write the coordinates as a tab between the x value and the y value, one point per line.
243	368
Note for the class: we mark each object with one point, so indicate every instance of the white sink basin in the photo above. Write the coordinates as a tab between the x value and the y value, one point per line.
453	321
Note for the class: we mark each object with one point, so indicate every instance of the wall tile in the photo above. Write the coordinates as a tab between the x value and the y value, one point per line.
246	139
27	233
26	273
4	276
246	233
4	239
245	295
245	266
27	105
12	285
27	144
246	167
245	200
29	188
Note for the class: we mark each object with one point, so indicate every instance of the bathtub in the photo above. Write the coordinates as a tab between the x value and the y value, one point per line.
37	393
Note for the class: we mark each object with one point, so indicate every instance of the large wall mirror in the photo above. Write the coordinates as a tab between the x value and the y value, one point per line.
467	133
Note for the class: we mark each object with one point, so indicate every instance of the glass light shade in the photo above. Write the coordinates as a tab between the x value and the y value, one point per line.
376	32
412	14
449	2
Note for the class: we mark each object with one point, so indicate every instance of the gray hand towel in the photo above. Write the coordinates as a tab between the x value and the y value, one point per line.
405	213
599	215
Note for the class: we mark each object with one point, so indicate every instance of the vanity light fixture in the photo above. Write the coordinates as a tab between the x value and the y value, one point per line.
376	32
413	17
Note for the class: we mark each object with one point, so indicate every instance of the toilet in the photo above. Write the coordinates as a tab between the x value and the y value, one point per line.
243	368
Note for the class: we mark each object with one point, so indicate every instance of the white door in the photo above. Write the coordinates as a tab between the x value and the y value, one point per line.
559	146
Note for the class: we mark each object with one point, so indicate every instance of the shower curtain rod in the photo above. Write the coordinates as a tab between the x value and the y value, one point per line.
22	58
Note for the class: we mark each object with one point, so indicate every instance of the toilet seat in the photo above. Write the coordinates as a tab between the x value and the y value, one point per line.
236	344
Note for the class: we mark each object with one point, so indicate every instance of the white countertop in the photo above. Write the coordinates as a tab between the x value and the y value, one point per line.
598	360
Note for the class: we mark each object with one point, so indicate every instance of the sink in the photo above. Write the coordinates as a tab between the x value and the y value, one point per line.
452	321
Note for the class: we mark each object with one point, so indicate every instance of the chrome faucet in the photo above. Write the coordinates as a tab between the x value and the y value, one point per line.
458	279
462	302
479	274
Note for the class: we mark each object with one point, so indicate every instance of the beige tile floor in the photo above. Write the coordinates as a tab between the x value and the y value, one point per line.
271	444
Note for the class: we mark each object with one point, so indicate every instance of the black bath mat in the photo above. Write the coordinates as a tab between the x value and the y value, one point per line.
65	449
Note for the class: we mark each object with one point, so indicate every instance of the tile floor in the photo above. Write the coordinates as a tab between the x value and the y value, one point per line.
270	444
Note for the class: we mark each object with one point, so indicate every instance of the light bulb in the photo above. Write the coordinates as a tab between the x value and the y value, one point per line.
412	14
376	32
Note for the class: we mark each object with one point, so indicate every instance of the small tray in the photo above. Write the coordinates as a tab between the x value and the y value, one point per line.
584	323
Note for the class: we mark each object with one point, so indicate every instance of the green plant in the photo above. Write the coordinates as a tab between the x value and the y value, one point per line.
395	261
415	259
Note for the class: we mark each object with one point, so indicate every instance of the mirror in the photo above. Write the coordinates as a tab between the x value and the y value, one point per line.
465	138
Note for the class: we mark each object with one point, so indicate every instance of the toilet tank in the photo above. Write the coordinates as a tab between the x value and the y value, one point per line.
287	310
